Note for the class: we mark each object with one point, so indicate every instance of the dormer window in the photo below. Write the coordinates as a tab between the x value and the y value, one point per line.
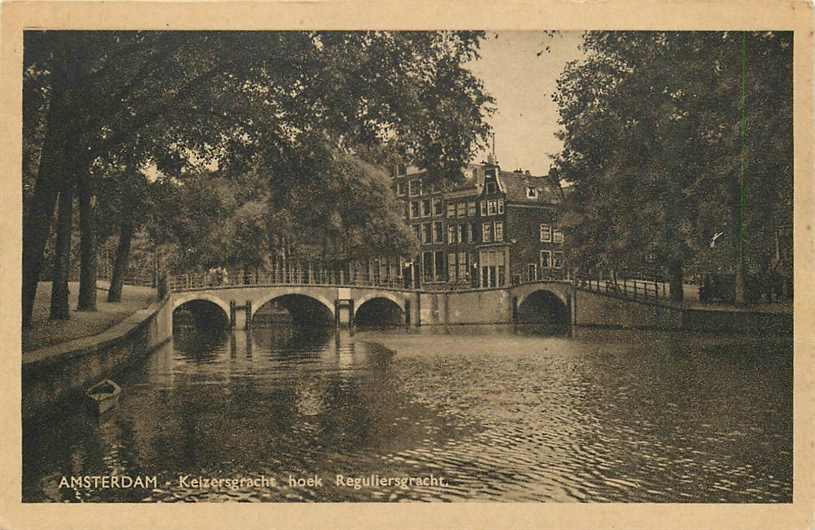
531	192
490	187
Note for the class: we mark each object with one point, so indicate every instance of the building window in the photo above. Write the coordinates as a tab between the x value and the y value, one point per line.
438	208
558	260
546	259
500	257
500	206
462	265
483	208
414	209
400	188
531	192
417	231
401	169
427	265
406	210
486	232
451	209
460	234
452	266
531	272
471	208
434	187
426	208
415	188
461	209
545	233
489	268
438	232
426	233
557	235
492	207
472	232
451	234
490	187
499	230
440	268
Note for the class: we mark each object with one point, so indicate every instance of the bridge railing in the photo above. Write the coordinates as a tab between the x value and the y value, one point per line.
629	288
137	278
206	280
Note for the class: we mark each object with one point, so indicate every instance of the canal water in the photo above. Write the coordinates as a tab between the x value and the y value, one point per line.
470	413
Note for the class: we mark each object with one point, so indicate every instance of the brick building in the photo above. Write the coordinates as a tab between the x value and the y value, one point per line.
494	229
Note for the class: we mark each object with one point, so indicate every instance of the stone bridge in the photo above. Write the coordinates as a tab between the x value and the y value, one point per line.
546	301
238	305
315	304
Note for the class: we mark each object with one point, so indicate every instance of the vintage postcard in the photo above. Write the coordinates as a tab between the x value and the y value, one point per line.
449	265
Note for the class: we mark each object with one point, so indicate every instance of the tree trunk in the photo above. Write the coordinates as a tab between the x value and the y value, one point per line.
59	146
676	280
120	265
40	213
62	258
741	197
87	230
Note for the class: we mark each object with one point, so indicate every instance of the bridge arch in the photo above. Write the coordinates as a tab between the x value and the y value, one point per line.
379	309
556	290
304	307
543	305
193	299
399	301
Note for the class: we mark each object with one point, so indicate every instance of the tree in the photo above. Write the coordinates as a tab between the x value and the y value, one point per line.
87	277
226	96
124	203
652	149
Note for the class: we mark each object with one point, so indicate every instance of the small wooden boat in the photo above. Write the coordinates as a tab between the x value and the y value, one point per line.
103	396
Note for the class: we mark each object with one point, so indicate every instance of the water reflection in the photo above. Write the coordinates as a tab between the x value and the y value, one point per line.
502	413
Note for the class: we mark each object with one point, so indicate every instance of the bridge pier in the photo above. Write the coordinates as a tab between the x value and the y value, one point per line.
514	309
240	316
344	318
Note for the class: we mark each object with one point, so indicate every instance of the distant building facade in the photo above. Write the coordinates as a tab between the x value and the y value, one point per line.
495	229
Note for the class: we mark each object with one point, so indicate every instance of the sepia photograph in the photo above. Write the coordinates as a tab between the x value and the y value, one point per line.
386	265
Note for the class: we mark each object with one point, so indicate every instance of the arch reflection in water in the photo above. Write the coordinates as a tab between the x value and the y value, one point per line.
287	339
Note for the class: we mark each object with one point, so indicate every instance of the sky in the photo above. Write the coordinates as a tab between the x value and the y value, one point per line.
522	82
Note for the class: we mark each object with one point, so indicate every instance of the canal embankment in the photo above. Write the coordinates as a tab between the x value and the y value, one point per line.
45	332
59	369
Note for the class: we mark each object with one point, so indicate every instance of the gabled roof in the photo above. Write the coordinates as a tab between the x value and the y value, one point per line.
515	185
